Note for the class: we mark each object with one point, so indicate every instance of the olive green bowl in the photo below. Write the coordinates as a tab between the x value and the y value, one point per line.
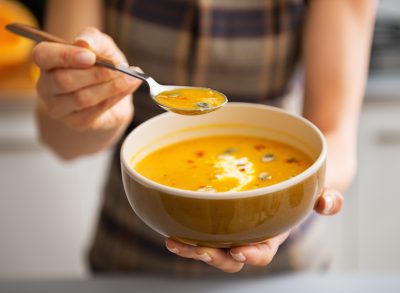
230	218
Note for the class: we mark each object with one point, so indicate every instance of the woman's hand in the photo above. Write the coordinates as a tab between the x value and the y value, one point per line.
74	91
261	254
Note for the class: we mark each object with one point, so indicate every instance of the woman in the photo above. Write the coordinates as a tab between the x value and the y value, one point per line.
248	49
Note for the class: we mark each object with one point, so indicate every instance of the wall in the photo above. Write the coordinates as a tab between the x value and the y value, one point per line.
47	208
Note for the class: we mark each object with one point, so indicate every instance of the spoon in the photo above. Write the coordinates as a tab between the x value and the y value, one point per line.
163	95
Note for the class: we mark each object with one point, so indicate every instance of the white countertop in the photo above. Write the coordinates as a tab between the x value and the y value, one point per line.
309	283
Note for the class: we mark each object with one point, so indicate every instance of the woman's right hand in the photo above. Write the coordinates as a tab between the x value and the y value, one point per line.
83	96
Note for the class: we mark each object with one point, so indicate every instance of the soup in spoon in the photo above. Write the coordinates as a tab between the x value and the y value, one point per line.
189	99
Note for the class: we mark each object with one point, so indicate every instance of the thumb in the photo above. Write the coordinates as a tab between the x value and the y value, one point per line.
100	43
329	202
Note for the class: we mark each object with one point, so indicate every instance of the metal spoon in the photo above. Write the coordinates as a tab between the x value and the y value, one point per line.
155	88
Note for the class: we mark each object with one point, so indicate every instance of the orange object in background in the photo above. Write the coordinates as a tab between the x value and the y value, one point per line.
18	74
14	50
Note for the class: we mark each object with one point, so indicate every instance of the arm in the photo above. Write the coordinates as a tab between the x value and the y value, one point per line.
82	108
336	52
68	18
336	48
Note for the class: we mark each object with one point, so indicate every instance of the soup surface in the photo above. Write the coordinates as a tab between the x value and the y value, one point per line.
191	99
223	163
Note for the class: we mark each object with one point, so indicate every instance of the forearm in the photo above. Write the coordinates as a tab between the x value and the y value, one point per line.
336	50
67	18
336	53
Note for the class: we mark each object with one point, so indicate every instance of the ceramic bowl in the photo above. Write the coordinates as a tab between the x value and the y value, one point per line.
231	218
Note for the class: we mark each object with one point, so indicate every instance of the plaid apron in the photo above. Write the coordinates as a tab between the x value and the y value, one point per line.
247	49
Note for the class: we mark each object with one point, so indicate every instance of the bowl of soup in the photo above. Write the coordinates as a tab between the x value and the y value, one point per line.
236	176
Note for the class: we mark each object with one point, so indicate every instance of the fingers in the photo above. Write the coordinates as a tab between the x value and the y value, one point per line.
76	92
212	256
63	81
61	105
330	202
49	55
54	55
100	43
258	254
114	111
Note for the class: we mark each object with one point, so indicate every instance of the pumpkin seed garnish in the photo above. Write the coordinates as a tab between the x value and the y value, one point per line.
264	176
292	160
207	188
230	151
203	105
267	158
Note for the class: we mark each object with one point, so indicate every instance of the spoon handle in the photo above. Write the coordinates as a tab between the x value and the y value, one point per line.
37	35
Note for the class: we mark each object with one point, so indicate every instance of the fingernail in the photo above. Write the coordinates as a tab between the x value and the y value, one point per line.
173	250
138	69
238	256
86	39
87	58
205	257
129	79
329	200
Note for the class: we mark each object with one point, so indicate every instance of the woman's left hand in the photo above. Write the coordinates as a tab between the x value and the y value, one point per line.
261	254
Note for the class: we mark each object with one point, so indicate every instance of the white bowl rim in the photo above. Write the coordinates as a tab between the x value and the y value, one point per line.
229	194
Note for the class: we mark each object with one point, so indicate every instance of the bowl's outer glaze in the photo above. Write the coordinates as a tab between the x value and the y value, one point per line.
223	222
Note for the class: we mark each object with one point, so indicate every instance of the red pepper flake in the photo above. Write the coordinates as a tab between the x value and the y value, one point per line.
190	161
259	147
200	154
242	169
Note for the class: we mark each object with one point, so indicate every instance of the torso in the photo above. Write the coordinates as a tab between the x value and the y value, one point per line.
247	49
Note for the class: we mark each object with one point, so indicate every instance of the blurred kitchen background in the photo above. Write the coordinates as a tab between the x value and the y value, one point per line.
48	208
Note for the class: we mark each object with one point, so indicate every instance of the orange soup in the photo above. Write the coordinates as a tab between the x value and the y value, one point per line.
223	163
